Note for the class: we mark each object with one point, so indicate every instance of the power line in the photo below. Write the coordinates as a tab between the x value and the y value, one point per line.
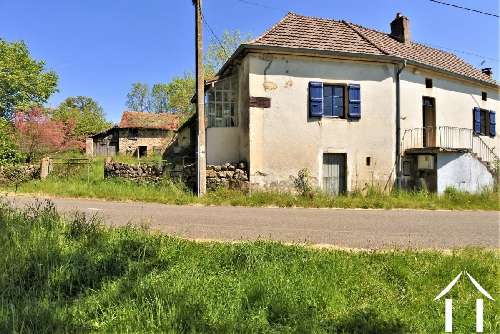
214	35
464	8
254	3
466	52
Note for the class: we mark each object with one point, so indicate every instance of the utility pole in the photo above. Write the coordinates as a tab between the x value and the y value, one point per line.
200	102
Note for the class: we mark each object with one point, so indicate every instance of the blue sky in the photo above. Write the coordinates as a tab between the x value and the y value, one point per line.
100	47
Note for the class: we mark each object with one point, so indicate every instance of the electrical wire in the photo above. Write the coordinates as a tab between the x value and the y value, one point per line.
464	8
217	39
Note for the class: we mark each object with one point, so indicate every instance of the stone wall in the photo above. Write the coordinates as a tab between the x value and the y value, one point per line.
229	175
16	174
143	172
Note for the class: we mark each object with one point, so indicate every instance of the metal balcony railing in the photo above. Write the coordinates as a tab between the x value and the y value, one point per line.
448	137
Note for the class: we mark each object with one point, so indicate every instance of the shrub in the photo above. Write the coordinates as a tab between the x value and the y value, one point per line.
9	154
303	184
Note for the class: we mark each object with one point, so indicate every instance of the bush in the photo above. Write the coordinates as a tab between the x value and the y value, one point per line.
303	184
9	154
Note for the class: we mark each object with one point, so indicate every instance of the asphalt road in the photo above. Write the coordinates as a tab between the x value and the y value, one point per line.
367	229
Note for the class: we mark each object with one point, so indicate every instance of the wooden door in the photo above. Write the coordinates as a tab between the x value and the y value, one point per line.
334	173
429	122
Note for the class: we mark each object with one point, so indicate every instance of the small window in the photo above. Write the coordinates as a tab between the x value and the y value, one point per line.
484	96
428	83
368	161
333	101
142	151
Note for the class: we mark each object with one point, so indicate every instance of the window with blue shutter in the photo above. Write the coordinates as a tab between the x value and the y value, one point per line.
333	100
338	101
316	99
477	120
493	123
354	101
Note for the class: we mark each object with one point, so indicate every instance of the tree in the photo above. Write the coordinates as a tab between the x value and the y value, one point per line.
218	53
9	153
159	98
24	81
180	91
85	113
38	134
138	97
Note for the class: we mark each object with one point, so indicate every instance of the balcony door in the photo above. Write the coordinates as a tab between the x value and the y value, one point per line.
429	121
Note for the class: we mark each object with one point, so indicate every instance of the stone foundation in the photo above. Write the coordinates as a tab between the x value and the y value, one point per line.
230	176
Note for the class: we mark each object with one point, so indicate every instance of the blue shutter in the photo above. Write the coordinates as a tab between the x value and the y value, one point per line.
316	99
493	123
477	120
354	101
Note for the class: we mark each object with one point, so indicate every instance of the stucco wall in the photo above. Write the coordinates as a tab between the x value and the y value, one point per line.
283	139
146	137
454	98
462	171
223	145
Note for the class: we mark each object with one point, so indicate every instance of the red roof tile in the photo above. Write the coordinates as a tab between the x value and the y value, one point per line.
145	120
304	32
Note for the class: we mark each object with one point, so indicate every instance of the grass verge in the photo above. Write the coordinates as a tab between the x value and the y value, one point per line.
73	275
90	183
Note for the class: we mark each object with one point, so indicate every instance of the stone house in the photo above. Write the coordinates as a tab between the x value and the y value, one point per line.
356	106
138	134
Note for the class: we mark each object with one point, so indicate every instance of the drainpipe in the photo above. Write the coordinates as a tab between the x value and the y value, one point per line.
398	124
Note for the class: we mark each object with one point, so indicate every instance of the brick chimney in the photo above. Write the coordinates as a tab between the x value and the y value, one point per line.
400	28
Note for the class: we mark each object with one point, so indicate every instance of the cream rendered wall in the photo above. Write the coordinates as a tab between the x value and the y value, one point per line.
455	100
223	145
283	139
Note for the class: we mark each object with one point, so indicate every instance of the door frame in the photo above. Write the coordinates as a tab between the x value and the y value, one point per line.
429	131
344	189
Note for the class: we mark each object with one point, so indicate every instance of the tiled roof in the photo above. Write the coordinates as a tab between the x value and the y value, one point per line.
144	120
304	32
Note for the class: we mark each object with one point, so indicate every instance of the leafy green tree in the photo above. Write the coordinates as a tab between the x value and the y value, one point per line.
218	53
24	81
180	91
86	115
138	99
9	152
159	98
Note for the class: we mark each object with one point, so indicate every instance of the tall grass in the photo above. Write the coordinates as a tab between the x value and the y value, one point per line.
73	275
90	183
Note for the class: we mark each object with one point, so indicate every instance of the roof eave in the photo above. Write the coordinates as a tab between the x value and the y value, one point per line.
243	49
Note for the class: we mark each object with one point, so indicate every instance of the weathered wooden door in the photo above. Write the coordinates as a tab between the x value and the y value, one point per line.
334	173
429	120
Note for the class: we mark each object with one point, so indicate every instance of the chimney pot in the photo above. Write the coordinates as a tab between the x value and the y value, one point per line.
488	71
400	28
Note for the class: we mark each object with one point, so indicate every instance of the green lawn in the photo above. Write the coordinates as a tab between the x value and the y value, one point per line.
90	183
75	276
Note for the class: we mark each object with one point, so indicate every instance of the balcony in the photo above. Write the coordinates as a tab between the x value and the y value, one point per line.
446	138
